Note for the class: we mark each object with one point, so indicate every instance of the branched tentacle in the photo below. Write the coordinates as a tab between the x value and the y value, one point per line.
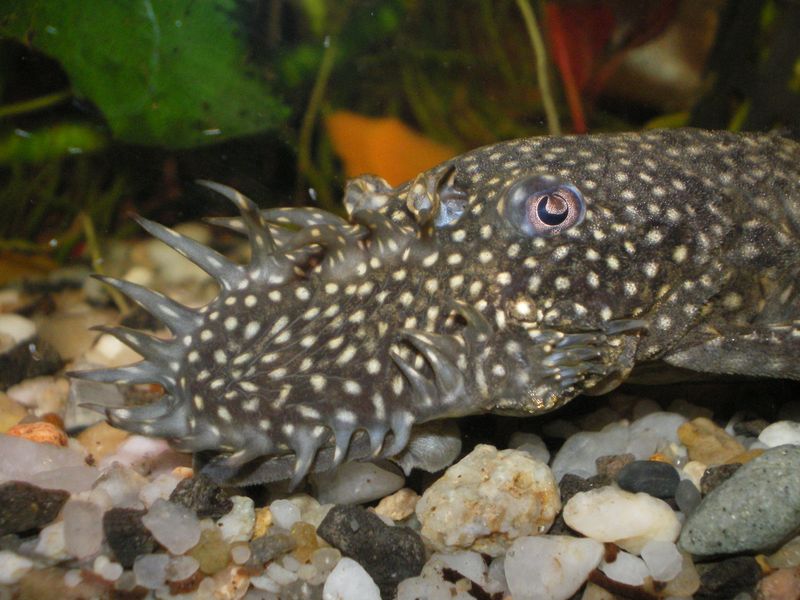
163	418
150	347
280	235
302	217
423	389
478	328
179	318
266	261
401	423
388	238
141	372
225	272
441	352
342	442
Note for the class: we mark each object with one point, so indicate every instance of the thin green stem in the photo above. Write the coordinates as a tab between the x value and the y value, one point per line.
305	167
97	258
540	55
29	106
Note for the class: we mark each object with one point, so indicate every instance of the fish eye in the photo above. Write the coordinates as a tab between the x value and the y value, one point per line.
544	206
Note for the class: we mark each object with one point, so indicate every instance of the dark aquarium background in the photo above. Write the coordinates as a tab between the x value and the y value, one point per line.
113	108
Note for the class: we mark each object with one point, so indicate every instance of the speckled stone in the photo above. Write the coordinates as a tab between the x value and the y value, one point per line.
659	479
610	466
268	547
725	579
203	496
388	554
126	535
487	500
24	506
752	511
714	476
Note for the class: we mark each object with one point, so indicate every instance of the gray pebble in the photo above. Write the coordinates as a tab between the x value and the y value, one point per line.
753	511
687	496
269	547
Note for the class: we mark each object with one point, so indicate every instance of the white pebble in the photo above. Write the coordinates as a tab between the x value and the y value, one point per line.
291	563
151	570
73	577
262	582
355	483
779	433
427	588
237	525
71	479
13	567
641	438
181	568
349	581
550	567
16	327
609	514
122	485
578	454
308	572
51	543
280	575
325	559
105	568
83	528
469	564
530	443
284	513
626	568
160	488
240	553
174	526
21	459
663	559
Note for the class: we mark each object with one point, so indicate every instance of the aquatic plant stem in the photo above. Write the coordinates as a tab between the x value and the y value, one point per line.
97	259
540	55
304	165
34	104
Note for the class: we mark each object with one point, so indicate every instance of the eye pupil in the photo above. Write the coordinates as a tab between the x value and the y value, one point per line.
552	209
542	206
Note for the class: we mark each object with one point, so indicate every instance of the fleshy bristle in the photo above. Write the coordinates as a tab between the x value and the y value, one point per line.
148	346
179	318
225	272
141	372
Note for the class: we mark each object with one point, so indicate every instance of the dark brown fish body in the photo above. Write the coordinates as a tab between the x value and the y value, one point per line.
509	279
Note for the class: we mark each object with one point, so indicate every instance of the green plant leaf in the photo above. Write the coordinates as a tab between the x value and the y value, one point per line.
163	72
47	143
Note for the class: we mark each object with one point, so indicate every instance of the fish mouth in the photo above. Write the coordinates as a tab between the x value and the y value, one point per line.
551	367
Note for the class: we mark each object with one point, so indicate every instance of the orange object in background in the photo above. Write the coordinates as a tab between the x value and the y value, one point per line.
384	146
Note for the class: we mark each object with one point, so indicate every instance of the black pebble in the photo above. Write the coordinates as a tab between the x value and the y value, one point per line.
659	479
203	496
725	579
715	475
24	507
126	535
572	484
388	554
